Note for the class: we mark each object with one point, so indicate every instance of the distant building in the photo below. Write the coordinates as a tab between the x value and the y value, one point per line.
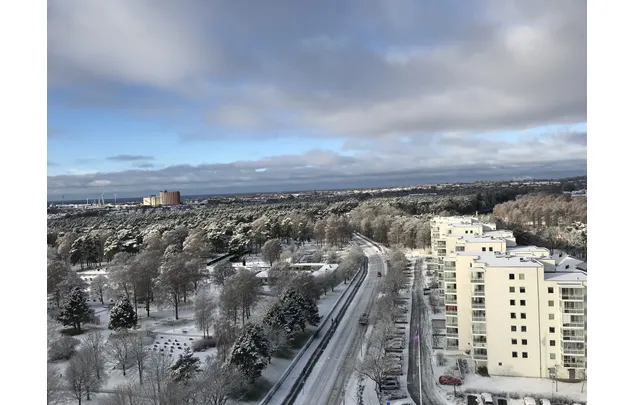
170	197
152	201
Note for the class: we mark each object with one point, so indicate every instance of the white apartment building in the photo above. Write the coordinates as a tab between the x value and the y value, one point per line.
515	309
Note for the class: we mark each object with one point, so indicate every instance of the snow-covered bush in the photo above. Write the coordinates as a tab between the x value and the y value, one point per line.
62	348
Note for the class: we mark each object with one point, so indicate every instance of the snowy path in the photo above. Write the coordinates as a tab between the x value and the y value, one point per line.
335	363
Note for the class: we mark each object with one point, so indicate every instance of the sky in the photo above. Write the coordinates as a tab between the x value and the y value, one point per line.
243	96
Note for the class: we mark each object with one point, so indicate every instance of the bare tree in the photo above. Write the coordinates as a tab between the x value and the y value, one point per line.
138	352
94	343
221	272
98	286
217	382
172	278
118	350
374	365
56	393
248	288
271	250
80	376
226	334
124	394
146	270
230	299
204	308
157	376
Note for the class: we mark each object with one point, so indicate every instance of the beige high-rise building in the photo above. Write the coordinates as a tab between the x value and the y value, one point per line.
517	310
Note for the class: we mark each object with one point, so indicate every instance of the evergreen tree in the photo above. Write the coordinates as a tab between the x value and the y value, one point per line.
122	315
251	352
75	310
185	368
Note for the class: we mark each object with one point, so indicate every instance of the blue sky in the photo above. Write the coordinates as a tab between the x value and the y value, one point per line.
244	97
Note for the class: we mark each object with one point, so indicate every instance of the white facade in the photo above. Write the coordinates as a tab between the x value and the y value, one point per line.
515	309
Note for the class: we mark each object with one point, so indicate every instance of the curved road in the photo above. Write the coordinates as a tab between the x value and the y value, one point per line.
335	365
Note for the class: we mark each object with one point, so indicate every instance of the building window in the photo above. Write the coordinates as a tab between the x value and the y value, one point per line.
525	355
513	328
524	342
550	290
522	290
521	276
523	329
514	354
512	289
483	249
471	231
552	317
460	248
552	329
512	302
514	341
550	303
513	314
500	364
523	315
465	231
491	249
522	303
511	276
552	343
552	356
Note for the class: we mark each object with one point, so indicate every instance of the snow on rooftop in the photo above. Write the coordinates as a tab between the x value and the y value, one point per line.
492	259
528	249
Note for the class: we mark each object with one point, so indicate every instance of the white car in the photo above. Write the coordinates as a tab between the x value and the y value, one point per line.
487	399
545	402
529	401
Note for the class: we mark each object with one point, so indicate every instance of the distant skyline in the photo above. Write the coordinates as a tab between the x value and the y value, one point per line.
235	96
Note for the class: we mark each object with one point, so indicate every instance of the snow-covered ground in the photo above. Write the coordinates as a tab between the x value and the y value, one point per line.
535	387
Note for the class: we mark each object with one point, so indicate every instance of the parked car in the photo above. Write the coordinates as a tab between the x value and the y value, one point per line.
545	402
379	274
487	399
530	401
449	380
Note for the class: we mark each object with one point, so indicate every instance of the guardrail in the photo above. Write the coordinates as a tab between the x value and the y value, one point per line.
354	281
299	383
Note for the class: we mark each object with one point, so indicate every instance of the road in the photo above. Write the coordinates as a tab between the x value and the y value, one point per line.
419	315
326	382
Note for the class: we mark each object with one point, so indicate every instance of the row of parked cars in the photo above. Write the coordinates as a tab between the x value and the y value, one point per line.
487	399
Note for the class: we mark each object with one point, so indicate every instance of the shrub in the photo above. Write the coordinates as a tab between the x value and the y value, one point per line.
203	344
482	370
440	359
71	332
62	348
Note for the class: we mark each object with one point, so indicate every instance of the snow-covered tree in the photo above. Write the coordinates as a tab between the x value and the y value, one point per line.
221	272
271	250
218	382
75	310
118	350
95	345
122	315
251	353
185	367
80	377
204	308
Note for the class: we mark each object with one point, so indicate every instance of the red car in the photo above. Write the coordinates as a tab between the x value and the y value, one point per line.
379	274
449	380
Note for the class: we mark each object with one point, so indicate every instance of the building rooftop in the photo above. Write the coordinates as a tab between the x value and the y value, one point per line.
528	249
492	259
501	233
480	238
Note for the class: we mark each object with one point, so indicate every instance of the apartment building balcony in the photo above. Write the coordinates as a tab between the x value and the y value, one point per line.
450	290
449	276
452	345
573	325
477	280
479	292
573	362
451	310
451	321
573	310
450	299
452	332
479	354
479	329
479	319
440	243
479	343
572	294
573	338
478	303
441	252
